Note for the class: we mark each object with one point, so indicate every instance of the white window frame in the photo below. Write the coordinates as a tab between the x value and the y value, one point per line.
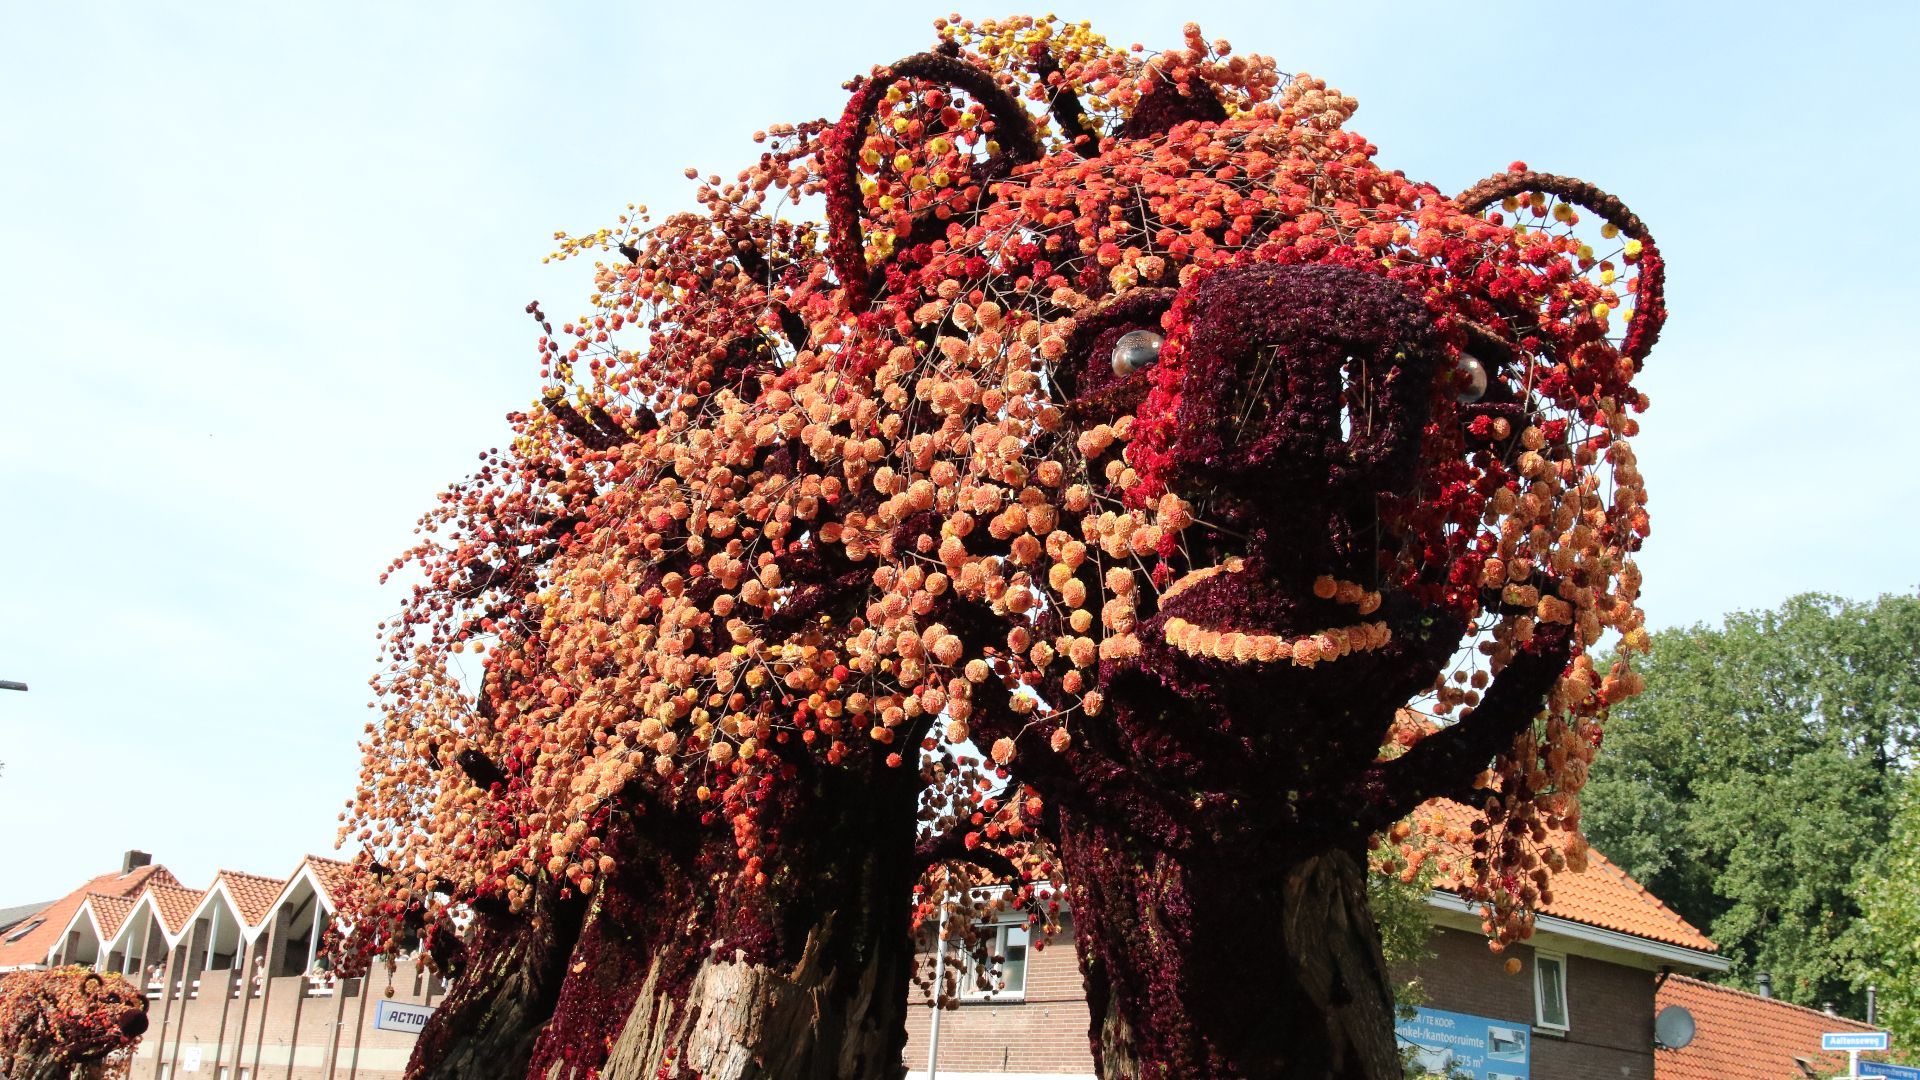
970	974
1540	1021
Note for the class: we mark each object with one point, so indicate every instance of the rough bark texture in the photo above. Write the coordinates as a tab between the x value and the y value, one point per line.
1201	966
679	970
740	1020
805	980
500	998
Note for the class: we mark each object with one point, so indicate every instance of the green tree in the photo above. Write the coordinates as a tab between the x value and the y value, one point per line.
1889	937
1751	785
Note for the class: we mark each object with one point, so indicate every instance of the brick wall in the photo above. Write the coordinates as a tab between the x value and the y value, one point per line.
280	1031
1609	1007
1045	1034
1609	1012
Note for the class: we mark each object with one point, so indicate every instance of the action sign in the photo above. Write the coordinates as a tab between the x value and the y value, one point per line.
398	1016
1894	1072
1853	1040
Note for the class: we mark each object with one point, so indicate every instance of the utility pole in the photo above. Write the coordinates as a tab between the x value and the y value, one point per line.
939	984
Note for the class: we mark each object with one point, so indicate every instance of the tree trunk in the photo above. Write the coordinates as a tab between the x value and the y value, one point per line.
1225	963
501	997
742	1020
684	966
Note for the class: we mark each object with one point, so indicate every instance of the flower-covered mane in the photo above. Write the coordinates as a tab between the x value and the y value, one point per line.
1125	419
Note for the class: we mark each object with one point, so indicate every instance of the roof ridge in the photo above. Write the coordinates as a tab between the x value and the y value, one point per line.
246	873
1737	991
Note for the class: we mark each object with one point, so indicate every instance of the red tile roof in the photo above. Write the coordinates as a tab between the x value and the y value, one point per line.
1602	896
252	894
331	877
1742	1036
109	913
32	948
174	905
335	877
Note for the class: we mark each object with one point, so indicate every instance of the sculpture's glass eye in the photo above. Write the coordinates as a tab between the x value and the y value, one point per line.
1473	379
1135	350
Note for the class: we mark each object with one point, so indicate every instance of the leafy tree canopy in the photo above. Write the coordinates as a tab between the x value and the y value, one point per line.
1889	939
1751	785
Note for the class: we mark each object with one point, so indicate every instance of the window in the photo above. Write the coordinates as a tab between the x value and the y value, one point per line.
25	930
1007	977
1550	991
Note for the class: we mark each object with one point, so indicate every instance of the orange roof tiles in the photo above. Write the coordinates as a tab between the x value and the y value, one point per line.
174	904
1603	896
32	947
331	879
1742	1036
335	877
109	912
252	894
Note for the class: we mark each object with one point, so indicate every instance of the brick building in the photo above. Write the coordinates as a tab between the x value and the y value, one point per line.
238	989
1581	1008
237	986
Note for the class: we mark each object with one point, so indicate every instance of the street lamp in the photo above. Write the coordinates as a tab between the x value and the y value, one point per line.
9	684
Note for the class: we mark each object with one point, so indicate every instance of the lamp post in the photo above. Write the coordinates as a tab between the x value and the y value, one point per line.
9	684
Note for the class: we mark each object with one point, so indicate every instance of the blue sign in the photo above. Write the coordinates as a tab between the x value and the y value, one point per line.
1456	1046
1896	1072
1853	1040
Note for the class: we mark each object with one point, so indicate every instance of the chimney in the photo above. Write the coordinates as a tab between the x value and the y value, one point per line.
134	860
1765	982
1827	1007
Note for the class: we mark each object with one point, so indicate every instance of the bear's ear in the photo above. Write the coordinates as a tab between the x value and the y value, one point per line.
1636	249
948	170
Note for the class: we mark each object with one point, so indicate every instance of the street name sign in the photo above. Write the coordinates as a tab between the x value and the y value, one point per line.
1853	1040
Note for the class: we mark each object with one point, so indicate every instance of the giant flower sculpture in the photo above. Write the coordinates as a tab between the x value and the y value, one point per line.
68	1022
1124	419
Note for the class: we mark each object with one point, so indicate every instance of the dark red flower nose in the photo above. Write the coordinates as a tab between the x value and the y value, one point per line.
1298	386
133	1022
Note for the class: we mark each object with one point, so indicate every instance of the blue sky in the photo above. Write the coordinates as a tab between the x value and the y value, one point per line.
262	271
